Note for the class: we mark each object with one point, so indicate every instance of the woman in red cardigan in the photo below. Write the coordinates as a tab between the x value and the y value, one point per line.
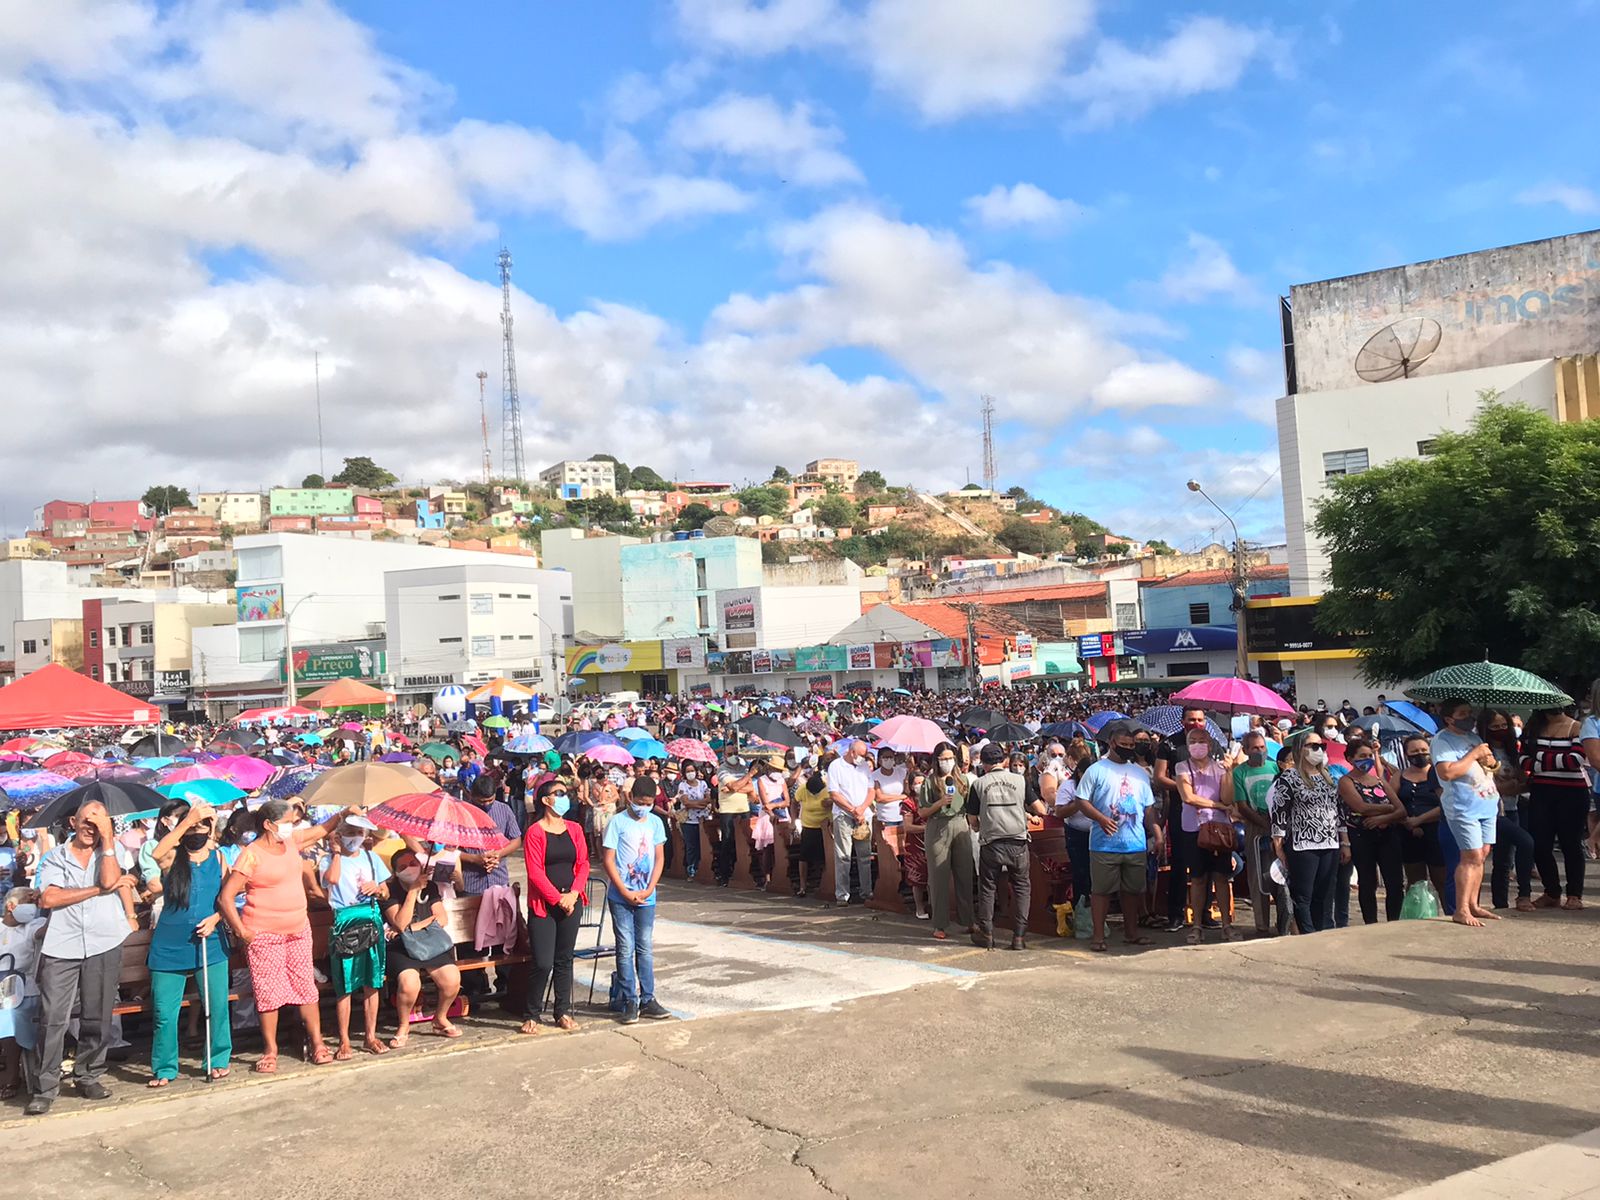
557	856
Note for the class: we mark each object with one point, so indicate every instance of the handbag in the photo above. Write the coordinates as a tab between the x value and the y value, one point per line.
1217	837
420	945
356	938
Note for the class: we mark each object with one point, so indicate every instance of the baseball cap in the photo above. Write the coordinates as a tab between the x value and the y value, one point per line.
993	752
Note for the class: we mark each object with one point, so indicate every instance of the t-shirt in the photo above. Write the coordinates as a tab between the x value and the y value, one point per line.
692	791
1591	729
891	786
852	781
1206	782
1473	795
633	841
813	809
474	879
1251	785
354	870
275	893
1121	791
730	800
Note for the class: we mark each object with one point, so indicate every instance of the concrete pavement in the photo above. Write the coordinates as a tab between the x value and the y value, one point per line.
873	1062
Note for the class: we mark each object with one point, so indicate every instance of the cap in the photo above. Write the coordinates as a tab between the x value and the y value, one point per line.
993	752
356	821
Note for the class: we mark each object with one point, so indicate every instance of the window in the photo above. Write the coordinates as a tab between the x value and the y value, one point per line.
1426	448
1181	670
1127	616
111	635
1336	463
94	671
482	602
508	637
451	596
111	671
30	646
455	641
524	596
483	647
1199	614
504	595
94	638
147	634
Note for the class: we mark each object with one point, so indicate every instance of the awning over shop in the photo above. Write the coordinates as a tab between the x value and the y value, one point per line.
1184	639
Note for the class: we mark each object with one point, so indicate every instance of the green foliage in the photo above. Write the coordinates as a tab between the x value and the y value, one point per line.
624	476
646	479
870	481
1082	526
763	501
1027	537
1018	493
163	498
606	511
781	474
363	472
315	480
1484	549
898	541
837	511
778	552
1157	546
694	515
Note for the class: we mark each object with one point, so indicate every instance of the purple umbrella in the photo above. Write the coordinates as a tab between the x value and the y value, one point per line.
25	789
396	756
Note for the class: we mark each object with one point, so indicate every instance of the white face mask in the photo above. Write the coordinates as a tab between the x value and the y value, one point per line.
24	914
285	830
1316	758
352	843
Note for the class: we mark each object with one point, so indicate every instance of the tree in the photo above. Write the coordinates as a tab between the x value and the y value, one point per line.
601	510
781	474
869	482
836	512
1030	537
624	476
1486	548
1018	492
763	501
1081	525
647	480
1157	546
694	515
314	480
165	497
363	472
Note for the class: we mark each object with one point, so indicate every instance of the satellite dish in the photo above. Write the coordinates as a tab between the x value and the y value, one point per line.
721	525
1397	350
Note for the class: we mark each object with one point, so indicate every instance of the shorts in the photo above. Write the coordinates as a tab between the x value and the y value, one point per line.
1422	847
1471	833
1210	862
1112	873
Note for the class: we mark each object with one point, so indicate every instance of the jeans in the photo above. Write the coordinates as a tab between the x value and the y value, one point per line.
636	929
552	938
1513	845
1006	856
91	984
1262	889
1375	852
1078	856
1339	894
845	847
948	843
166	998
730	827
1559	814
1311	876
691	847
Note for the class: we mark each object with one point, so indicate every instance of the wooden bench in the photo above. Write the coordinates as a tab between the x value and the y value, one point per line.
461	921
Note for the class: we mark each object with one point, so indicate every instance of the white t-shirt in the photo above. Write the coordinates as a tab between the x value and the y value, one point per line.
892	786
854	783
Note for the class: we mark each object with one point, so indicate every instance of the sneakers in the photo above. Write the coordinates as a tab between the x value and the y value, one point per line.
93	1089
654	1011
630	1015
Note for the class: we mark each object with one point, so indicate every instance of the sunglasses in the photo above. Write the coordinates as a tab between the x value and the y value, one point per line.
1312	745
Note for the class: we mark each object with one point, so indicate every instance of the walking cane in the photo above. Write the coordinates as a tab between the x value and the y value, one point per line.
205	1005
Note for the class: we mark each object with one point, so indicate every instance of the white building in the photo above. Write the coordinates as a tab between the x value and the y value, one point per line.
595	564
575	480
242	510
776	617
470	623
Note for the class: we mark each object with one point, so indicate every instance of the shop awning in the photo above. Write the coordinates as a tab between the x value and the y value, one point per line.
1185	638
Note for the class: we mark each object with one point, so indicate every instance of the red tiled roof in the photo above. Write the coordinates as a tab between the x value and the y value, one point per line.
1202	578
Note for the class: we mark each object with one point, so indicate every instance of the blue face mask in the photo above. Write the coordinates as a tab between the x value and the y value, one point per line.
640	810
559	805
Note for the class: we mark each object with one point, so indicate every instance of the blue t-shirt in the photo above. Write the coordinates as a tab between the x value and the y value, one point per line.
1591	729
1474	794
354	870
1120	790
634	843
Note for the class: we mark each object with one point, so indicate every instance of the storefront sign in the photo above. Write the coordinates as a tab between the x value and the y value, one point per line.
861	658
259	602
761	662
172	683
613	657
738	609
410	682
338	660
1286	629
1100	645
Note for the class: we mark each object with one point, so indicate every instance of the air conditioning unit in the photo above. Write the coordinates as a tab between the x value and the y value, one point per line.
377	629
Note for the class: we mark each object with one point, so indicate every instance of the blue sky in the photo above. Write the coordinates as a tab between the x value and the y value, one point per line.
745	233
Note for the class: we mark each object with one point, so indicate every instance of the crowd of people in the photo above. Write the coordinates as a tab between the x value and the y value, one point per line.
1279	814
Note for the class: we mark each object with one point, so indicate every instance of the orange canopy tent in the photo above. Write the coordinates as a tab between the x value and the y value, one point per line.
346	693
506	689
54	697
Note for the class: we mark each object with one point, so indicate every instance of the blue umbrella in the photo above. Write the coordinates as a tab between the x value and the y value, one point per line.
529	743
646	748
154	764
1067	730
24	788
632	733
580	740
291	781
1101	719
215	792
1167	719
1386	726
1408	711
902	692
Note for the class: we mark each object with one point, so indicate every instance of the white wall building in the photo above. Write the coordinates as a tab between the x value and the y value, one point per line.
778	617
470	623
596	477
596	567
238	509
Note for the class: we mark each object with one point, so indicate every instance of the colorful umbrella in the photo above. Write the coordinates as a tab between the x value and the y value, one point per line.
529	743
310	739
399	756
1491	685
354	725
365	784
438	751
120	800
63	758
691	750
1226	694
248	773
580	740
632	733
1407	711
476	742
642	748
1167	719
291	781
1100	720
497	722
215	792
190	773
436	817
26	788
911	735
615	755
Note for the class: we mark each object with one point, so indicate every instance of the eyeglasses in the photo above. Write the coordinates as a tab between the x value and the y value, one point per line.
1312	745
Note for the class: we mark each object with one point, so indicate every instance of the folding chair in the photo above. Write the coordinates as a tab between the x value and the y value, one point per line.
594	917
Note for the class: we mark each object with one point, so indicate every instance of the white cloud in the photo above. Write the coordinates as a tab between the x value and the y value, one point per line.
1204	272
1021	204
755	131
1203	54
759	28
1577	200
1139	385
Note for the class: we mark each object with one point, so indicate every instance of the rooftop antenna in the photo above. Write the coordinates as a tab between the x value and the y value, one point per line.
316	372
483	417
511	460
988	443
1397	350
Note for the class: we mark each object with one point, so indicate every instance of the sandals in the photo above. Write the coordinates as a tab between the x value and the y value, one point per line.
374	1045
444	1030
399	1040
531	1029
218	1073
320	1057
1572	903
1524	904
158	1082
1547	901
1099	947
1193	936
1139	940
343	1053
267	1064
567	1025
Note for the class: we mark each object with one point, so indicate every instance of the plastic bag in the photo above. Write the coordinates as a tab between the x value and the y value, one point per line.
1063	920
1421	902
1082	921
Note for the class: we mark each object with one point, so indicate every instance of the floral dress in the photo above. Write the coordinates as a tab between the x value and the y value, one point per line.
914	856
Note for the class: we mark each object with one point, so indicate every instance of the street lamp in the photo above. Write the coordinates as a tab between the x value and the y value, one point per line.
558	660
1240	588
288	648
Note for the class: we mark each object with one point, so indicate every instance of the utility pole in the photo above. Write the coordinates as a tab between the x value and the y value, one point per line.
973	674
483	418
989	472
1241	585
511	452
293	692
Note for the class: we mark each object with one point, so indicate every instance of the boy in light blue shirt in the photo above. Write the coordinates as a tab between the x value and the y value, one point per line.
1470	803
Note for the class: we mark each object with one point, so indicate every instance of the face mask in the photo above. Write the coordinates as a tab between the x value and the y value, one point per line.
1363	764
1316	758
640	810
195	841
1256	757
886	764
246	838
559	805
409	878
1199	750
285	830
1463	723
1417	760
1147	751
24	914
352	844
947	765
1122	753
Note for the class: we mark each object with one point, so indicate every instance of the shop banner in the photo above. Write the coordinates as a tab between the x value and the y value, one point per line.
861	658
761	662
820	658
884	654
259	602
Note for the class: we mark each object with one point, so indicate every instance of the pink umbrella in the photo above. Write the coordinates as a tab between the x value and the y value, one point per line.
476	742
1225	694
692	750
911	735
244	771
615	755
189	774
355	725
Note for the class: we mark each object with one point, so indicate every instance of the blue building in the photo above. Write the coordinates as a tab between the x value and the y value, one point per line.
668	586
1206	597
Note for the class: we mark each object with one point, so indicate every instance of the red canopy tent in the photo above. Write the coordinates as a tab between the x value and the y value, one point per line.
54	697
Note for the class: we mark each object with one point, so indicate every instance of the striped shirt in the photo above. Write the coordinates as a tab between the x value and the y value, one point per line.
1555	762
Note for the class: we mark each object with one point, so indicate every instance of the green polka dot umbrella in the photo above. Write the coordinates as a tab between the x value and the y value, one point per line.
1491	685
